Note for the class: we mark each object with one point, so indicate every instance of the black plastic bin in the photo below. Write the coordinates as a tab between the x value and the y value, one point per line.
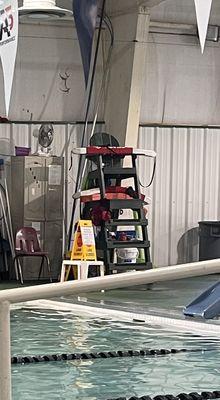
209	240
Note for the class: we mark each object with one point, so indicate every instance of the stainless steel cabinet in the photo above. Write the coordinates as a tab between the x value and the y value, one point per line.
36	198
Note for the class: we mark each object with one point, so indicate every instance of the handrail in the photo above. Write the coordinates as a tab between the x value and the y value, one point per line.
75	287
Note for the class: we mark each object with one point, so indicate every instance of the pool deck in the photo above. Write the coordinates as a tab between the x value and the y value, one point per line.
165	299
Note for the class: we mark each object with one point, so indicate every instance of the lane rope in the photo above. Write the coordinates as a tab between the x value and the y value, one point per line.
182	396
103	354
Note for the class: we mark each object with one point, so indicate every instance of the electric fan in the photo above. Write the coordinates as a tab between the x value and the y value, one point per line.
45	136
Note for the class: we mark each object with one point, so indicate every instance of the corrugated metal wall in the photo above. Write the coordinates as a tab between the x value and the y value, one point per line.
186	189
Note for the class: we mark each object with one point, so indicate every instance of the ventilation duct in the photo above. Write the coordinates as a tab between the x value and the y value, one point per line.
43	9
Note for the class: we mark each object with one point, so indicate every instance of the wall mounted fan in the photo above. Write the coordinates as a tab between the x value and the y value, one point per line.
45	136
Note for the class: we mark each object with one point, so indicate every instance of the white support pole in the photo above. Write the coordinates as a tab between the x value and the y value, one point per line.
5	351
126	279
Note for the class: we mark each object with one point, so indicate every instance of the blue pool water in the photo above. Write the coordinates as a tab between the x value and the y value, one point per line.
51	332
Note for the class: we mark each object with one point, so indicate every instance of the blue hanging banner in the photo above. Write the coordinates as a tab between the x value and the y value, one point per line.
85	14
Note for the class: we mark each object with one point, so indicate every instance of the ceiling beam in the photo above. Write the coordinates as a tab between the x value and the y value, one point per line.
116	8
150	3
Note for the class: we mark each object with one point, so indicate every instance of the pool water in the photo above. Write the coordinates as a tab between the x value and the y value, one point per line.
40	332
104	379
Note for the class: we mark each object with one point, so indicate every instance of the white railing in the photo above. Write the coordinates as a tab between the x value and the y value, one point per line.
22	294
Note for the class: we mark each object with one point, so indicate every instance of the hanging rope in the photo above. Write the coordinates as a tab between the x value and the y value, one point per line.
103	354
181	396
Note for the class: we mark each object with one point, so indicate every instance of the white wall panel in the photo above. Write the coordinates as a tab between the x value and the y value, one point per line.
185	190
177	191
47	54
181	84
180	11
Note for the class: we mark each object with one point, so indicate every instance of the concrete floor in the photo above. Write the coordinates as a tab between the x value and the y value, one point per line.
15	284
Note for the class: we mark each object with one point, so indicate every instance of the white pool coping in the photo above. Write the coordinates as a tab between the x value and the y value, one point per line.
171	324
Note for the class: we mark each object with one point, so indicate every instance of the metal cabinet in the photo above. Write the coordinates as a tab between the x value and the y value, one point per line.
36	198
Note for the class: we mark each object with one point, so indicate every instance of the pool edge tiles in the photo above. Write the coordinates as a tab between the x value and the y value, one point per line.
171	324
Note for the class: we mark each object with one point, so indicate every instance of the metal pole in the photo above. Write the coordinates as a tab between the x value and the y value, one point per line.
10	238
5	351
126	279
17	265
9	215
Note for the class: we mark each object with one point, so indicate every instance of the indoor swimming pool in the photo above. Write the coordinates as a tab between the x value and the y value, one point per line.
43	331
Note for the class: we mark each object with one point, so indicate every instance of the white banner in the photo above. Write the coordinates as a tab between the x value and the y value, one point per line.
203	8
8	44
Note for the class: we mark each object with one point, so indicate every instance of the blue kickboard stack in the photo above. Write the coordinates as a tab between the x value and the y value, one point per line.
207	305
